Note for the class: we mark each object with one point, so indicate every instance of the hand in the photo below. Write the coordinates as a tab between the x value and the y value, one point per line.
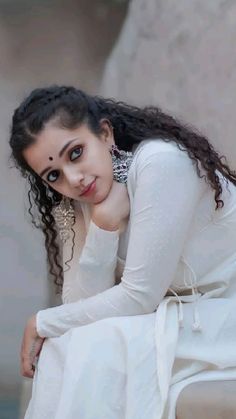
30	348
112	213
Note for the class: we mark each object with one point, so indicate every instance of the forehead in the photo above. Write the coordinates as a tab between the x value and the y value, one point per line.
50	141
53	137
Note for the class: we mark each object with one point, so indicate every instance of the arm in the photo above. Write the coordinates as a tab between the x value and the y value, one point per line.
167	191
92	269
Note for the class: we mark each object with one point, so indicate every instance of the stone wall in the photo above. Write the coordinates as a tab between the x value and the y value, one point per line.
42	42
181	56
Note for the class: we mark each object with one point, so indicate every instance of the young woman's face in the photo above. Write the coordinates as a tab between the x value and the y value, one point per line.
71	160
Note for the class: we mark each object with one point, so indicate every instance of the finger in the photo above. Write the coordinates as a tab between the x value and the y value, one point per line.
29	357
27	368
28	364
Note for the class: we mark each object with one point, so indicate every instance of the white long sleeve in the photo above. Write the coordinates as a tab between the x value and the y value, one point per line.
92	269
167	189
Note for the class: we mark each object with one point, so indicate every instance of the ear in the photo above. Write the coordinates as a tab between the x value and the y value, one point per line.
106	132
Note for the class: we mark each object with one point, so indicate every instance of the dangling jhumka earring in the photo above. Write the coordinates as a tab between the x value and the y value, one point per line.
121	161
64	216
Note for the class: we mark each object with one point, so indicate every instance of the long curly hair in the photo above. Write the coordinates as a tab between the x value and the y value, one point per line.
131	124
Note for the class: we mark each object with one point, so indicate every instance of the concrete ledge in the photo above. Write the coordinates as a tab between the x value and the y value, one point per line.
203	400
208	400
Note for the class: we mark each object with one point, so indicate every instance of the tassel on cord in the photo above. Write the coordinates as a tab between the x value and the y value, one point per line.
196	325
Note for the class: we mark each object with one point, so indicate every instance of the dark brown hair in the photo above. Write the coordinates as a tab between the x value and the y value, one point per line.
131	124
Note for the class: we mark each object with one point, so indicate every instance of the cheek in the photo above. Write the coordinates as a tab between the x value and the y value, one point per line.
108	176
57	188
109	180
108	168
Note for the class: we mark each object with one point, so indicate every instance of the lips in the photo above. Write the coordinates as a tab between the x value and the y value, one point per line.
88	188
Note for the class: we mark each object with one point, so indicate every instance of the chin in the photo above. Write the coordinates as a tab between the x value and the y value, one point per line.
100	197
98	200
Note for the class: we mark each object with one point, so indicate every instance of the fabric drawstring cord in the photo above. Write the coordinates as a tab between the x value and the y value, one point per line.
196	325
180	308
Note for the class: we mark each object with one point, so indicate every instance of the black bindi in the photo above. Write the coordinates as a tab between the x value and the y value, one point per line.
50	158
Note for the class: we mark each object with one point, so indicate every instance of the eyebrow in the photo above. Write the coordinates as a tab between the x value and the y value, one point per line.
44	171
60	154
66	146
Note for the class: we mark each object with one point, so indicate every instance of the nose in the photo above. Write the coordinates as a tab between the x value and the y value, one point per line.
73	176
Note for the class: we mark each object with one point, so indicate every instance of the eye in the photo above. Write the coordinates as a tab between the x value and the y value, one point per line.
76	153
52	176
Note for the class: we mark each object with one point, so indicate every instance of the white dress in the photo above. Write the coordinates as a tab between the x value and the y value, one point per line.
149	311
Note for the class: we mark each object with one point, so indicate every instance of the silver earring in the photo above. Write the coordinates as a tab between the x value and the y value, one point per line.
64	216
121	161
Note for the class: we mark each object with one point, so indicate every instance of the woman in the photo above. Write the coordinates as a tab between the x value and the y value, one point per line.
146	212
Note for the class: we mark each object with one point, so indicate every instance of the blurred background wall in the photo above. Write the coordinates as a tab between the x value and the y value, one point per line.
41	42
178	55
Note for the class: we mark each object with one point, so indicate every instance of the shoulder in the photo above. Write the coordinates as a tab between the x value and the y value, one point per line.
153	151
160	165
154	145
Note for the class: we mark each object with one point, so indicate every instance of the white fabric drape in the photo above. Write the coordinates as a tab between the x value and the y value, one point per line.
124	350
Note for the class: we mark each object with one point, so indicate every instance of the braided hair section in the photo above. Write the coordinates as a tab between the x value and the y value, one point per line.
69	107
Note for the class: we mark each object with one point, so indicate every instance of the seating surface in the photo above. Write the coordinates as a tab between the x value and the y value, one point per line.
208	400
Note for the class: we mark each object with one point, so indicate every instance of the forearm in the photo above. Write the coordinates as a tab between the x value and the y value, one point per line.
157	237
116	301
105	224
95	270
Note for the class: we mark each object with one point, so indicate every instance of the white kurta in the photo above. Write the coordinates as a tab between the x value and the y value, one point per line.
148	311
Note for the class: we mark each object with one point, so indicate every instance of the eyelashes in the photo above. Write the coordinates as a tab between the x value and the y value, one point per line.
52	176
73	155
